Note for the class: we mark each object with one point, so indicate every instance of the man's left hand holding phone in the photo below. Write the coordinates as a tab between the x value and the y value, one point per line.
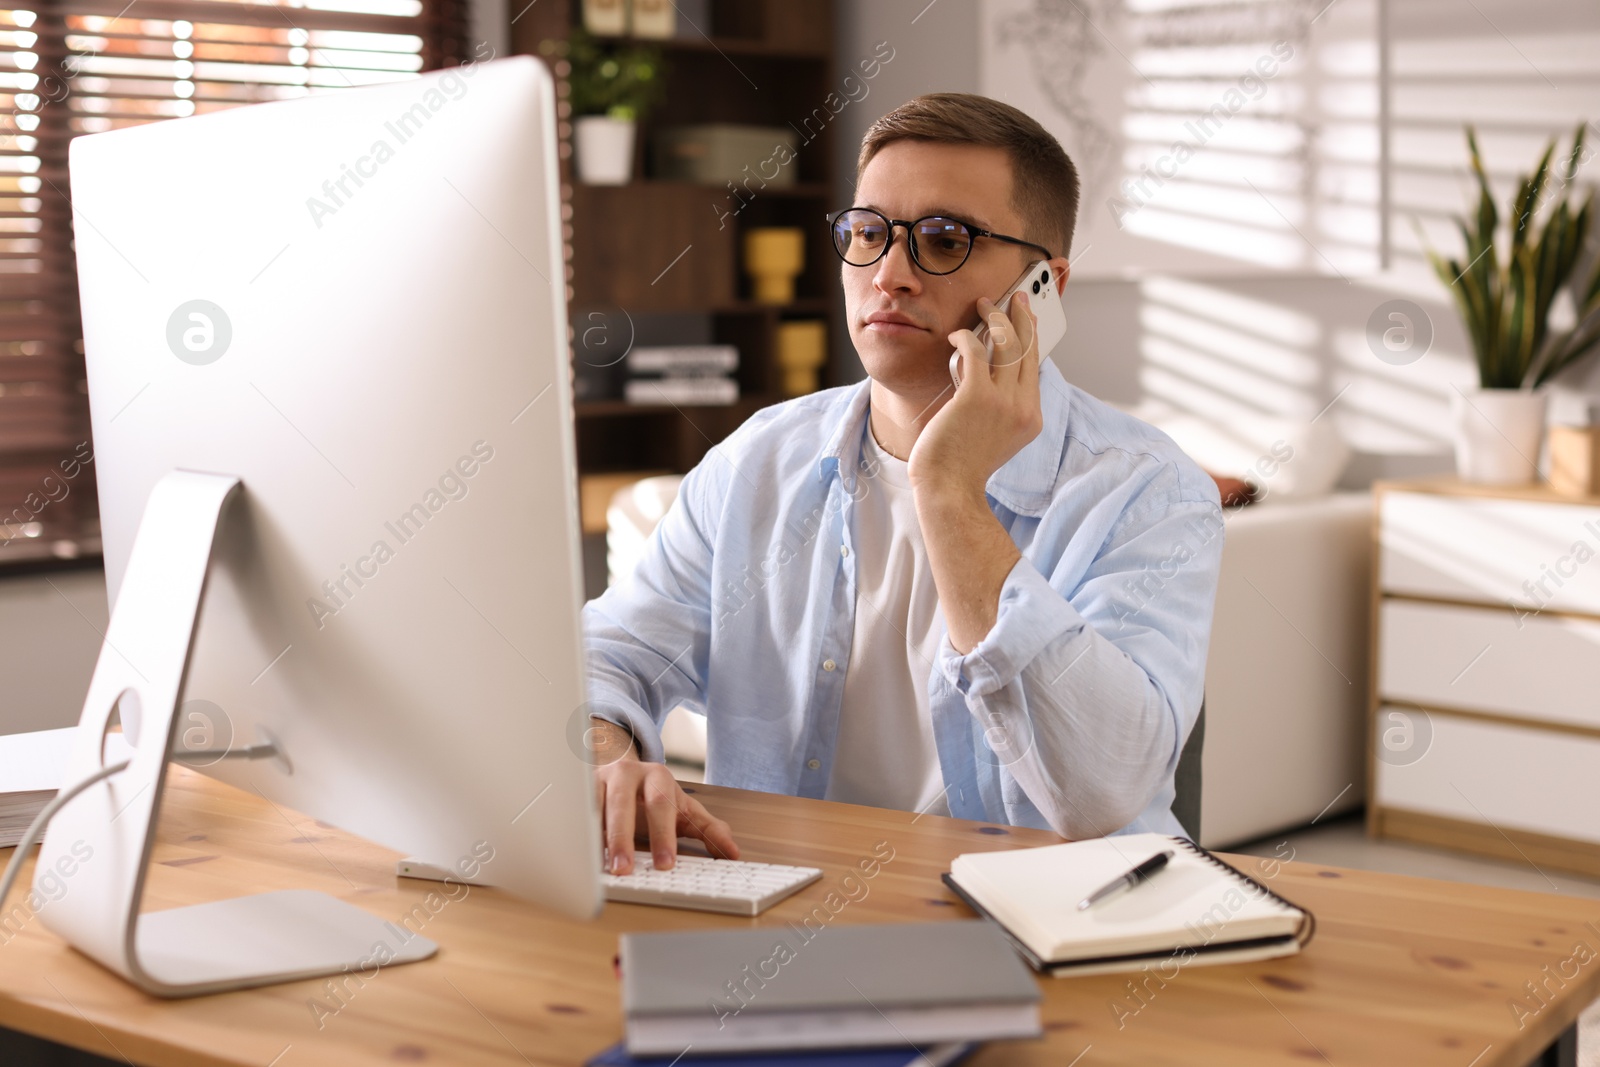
995	373
1045	307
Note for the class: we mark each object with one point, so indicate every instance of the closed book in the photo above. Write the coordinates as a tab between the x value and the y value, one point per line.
677	359
801	987
721	152
1198	909
945	1055
681	391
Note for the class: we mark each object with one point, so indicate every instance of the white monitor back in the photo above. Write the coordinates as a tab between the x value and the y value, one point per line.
381	356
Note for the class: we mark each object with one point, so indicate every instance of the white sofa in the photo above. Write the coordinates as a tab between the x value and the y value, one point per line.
630	520
1286	677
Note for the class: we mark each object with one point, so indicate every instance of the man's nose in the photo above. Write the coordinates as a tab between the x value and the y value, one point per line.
896	272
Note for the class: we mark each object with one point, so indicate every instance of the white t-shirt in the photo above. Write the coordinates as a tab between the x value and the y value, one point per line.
885	755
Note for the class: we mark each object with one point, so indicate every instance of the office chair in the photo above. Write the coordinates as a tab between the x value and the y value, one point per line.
1186	780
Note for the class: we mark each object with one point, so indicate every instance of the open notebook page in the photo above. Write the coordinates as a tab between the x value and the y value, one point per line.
1195	901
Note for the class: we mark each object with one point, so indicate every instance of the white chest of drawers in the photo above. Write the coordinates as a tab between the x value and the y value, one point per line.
1485	693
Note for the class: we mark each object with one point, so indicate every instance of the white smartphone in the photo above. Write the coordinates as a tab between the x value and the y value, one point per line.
1039	280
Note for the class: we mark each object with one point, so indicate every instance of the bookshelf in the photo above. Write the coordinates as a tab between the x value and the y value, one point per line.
655	247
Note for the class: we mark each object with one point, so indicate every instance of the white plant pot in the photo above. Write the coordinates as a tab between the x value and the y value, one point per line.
605	149
1498	433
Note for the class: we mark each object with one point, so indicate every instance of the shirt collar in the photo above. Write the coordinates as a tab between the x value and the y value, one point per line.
1024	484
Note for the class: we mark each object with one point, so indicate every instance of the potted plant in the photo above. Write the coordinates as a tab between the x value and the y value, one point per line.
1506	304
611	86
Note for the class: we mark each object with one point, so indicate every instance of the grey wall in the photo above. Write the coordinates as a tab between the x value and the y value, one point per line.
936	52
50	628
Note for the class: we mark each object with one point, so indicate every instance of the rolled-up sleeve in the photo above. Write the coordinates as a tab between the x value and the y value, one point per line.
1087	684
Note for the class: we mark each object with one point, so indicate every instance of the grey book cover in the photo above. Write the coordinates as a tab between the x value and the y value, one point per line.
808	968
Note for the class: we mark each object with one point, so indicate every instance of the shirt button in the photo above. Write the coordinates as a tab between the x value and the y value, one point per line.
814	764
844	550
829	665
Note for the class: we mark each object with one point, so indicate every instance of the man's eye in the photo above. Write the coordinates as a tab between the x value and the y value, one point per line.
869	237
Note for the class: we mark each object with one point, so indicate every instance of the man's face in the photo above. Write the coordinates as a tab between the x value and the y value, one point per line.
899	315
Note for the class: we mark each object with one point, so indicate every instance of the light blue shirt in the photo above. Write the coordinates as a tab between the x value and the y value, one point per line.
1068	715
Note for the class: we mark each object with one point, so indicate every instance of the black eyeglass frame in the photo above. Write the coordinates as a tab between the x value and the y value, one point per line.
911	241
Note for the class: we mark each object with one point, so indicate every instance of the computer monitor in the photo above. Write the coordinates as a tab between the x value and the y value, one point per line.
354	306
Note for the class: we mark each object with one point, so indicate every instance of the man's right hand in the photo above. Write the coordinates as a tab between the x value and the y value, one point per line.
637	798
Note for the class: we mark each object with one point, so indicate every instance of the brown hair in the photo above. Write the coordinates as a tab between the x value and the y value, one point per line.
1044	183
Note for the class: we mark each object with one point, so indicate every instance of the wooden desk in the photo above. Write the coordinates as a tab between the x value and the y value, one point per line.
1403	971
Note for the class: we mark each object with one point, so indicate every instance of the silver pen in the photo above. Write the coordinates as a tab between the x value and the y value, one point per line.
1142	873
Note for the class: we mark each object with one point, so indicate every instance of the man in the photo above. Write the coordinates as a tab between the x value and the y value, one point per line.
991	600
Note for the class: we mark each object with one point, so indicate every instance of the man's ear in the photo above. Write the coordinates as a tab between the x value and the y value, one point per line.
1061	268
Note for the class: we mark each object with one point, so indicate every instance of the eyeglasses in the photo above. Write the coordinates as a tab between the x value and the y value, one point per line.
939	244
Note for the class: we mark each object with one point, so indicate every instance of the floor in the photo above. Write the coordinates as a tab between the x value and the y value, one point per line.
1343	842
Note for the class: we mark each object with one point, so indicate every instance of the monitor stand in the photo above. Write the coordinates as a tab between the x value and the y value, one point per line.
100	843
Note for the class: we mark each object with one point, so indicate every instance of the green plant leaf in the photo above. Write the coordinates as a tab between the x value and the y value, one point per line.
1505	305
1526	204
1522	333
1578	344
1580	228
1488	219
1473	300
612	77
1545	255
1590	300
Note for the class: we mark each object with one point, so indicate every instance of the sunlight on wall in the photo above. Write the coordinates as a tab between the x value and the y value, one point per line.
1283	170
1223	356
1209	350
1212	351
1211	138
1522	73
1393	409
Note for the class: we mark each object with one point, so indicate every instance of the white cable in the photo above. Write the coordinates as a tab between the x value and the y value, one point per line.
43	819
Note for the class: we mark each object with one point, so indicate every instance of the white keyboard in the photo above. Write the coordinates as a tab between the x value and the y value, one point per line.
733	887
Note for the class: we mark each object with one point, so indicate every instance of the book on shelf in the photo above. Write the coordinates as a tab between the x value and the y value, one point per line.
795	988
686	390
678	360
1197	910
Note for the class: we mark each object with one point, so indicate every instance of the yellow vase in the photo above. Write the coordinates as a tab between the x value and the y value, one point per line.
802	349
773	257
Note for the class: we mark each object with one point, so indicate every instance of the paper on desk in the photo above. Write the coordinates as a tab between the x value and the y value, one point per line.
32	769
34	761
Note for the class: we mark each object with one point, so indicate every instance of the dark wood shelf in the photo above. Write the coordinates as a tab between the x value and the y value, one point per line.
805	305
818	190
733	46
668	246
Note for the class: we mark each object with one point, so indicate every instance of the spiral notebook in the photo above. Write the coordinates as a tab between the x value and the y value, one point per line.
1197	910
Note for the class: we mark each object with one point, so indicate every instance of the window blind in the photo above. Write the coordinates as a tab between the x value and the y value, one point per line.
69	67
